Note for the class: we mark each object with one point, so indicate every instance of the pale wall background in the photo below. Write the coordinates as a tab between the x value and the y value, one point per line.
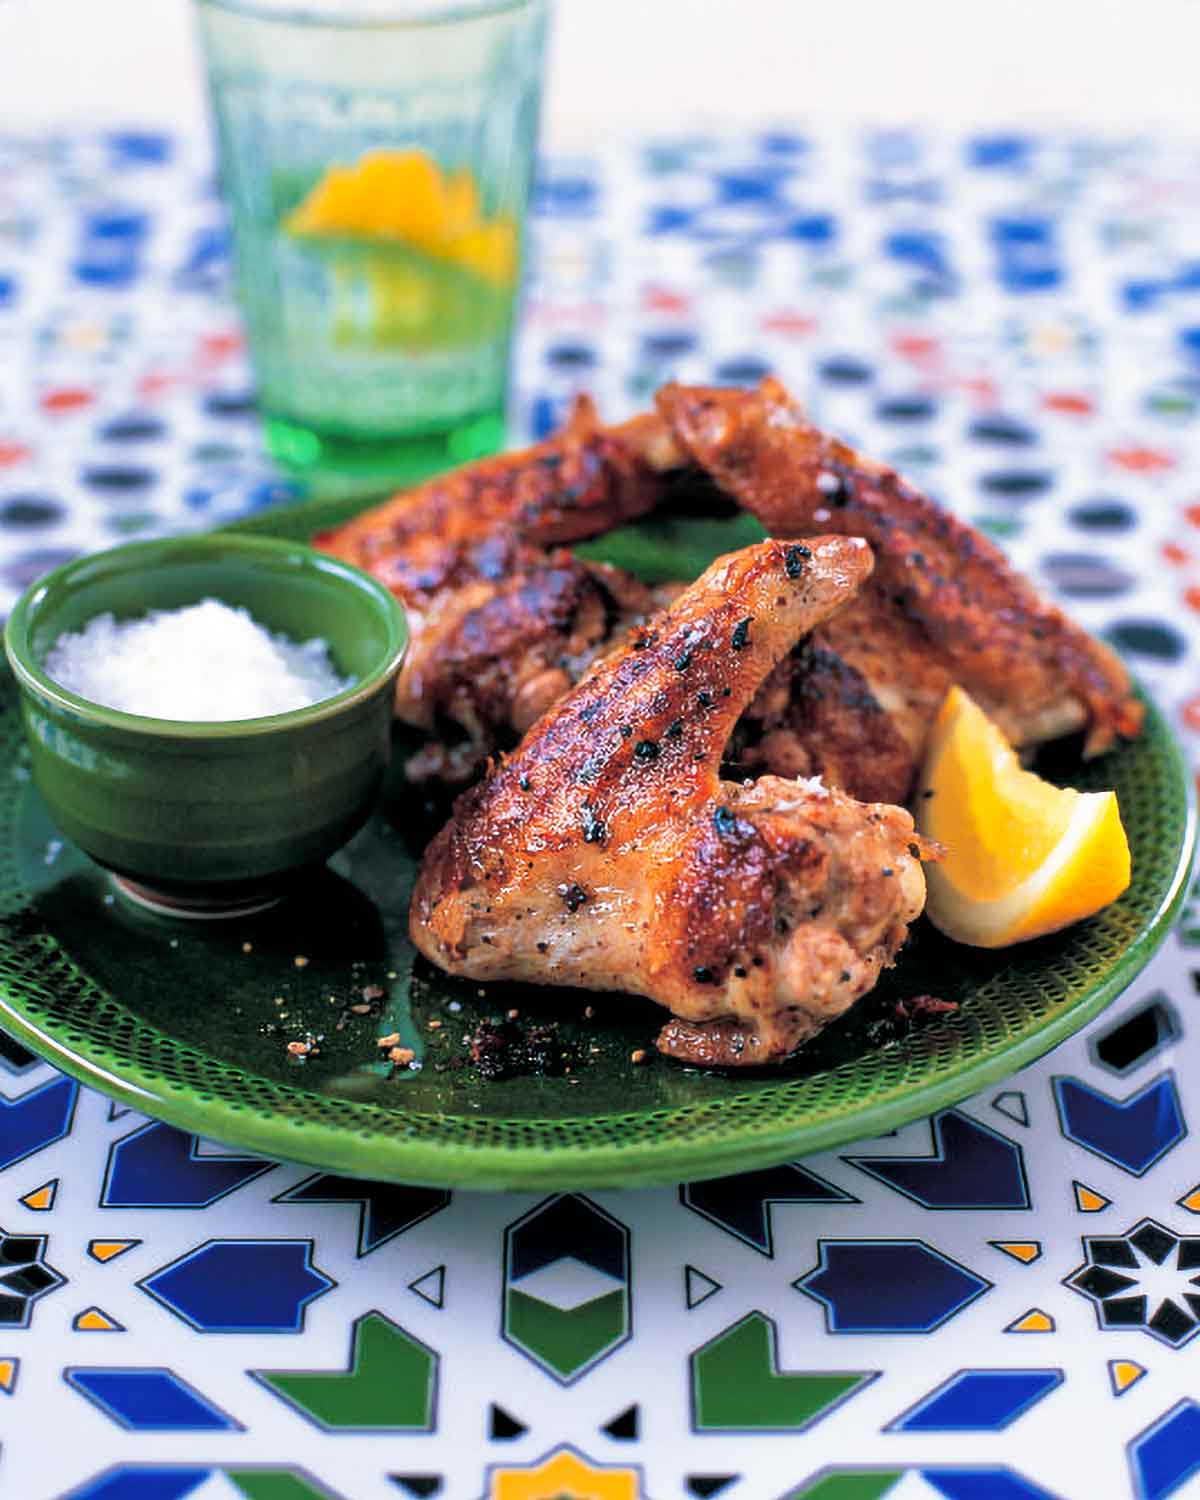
620	64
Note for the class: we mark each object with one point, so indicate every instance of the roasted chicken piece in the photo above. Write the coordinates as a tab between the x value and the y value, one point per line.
607	853
943	605
502	617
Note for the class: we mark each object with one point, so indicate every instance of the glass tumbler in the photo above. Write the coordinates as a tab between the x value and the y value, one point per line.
376	157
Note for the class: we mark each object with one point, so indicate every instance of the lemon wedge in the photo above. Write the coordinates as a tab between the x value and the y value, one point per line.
1023	857
404	198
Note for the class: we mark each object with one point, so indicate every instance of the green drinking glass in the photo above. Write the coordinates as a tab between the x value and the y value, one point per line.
376	158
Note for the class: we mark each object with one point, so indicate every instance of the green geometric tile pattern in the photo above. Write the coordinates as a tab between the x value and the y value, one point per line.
864	1484
390	1384
737	1383
566	1339
274	1484
567	1285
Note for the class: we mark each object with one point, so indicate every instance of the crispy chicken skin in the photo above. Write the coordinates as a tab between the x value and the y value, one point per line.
943	606
502	617
491	655
580	483
607	853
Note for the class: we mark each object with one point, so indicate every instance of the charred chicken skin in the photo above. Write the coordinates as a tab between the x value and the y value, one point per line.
607	853
943	606
502	617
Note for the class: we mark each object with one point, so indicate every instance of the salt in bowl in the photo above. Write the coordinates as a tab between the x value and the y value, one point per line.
212	818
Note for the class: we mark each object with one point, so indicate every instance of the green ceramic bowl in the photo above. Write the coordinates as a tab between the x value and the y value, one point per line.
209	818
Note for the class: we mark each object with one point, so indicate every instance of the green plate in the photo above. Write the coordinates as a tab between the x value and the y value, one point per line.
191	1022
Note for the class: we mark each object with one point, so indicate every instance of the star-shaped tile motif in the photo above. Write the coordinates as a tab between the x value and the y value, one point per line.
1147	1278
24	1277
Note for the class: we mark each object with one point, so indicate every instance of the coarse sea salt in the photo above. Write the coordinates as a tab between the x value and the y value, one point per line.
205	662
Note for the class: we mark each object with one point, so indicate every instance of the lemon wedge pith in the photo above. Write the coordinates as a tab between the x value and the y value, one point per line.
1023	857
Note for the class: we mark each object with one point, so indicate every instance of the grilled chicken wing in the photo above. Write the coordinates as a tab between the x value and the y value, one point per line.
502	617
606	852
943	605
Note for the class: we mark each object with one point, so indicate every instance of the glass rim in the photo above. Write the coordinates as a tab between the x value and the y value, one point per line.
368	14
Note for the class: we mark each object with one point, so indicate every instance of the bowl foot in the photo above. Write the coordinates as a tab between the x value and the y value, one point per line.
212	907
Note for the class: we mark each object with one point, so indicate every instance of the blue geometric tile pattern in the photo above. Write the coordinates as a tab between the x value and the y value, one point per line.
1167	1453
158	1166
971	1167
241	1286
35	1120
742	1205
252	1481
145	1400
888	1286
1014	319
978	1401
1133	1133
984	1484
384	1210
142	1482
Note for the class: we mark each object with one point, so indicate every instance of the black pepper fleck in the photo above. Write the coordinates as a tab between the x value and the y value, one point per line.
674	729
703	976
794	559
594	830
741	633
645	750
724	820
626	731
574	895
523	783
683	661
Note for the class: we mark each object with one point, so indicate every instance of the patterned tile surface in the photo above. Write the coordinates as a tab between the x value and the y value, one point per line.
997	1304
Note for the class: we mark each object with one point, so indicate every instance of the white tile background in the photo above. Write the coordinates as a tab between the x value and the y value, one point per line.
621	65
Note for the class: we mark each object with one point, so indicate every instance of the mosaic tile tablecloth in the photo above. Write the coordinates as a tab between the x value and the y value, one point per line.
998	1304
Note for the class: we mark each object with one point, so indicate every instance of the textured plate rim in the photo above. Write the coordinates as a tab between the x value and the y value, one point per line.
657	1162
